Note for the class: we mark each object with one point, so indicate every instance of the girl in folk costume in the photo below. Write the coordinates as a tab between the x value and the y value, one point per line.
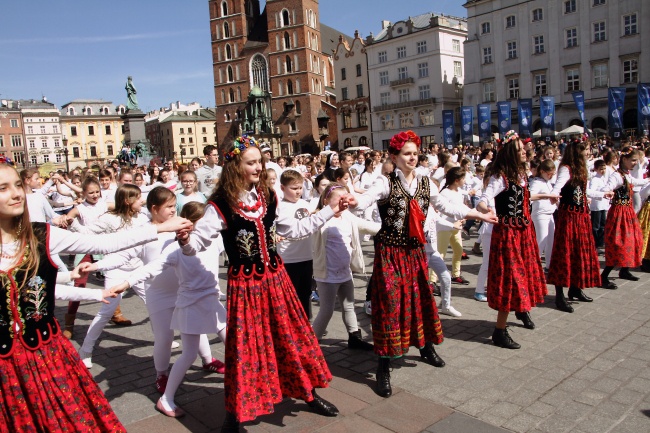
404	311
44	385
574	261
623	236
267	326
644	223
515	277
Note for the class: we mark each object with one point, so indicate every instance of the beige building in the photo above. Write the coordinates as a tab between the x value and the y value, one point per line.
94	131
43	137
181	132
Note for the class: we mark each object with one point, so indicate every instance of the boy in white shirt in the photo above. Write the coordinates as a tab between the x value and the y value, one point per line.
598	205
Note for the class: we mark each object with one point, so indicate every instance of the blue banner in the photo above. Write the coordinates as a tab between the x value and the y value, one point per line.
644	108
448	127
547	114
503	116
525	110
467	125
484	130
616	102
579	99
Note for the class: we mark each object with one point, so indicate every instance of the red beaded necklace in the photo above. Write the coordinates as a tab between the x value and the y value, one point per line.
253	208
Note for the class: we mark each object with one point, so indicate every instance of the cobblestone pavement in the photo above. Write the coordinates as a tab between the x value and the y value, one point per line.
582	372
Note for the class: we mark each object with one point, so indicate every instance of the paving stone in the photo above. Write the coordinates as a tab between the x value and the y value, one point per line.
522	422
459	423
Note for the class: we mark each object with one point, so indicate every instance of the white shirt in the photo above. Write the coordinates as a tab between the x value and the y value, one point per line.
541	207
596	189
293	250
638	170
338	250
39	208
206	177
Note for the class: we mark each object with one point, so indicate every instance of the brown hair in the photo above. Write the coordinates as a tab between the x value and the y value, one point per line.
327	191
159	196
28	173
506	163
575	161
90	180
290	176
193	211
125	196
547	166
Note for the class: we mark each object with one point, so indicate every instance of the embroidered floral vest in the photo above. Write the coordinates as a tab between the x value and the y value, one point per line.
250	243
27	313
623	194
394	212
512	205
574	196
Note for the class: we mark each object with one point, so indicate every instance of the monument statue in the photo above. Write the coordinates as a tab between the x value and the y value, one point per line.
132	100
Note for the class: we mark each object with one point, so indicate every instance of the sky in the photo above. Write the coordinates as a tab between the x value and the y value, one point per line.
86	49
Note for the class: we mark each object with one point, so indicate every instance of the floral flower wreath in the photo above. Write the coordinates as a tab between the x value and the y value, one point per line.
399	140
509	136
6	160
241	144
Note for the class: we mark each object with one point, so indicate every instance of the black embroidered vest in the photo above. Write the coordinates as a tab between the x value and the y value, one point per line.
250	243
573	196
512	205
623	194
27	313
394	212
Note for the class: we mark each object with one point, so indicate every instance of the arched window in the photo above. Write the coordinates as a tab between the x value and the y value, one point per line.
121	110
71	111
347	142
287	41
88	111
298	107
289	87
285	18
280	89
224	8
228	52
259	72
238	93
227	116
289	64
363	141
226	30
223	96
232	95
230	74
406	120
426	117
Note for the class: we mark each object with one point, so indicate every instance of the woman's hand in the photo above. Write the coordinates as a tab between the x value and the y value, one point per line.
108	293
609	195
174	224
86	268
119	288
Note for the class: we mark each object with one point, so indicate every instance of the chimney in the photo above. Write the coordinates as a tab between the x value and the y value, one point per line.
385	24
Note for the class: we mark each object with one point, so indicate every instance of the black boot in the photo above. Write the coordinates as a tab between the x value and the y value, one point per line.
576	294
355	342
429	354
230	424
605	283
525	317
626	275
501	338
560	301
322	406
645	265
383	387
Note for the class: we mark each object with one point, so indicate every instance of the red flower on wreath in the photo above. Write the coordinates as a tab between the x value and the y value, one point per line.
399	140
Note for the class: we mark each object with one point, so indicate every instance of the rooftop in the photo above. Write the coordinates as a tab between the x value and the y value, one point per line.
416	24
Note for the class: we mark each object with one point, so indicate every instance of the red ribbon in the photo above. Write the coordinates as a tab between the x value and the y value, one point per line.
416	220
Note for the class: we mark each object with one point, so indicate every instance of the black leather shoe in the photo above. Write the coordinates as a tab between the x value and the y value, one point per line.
627	276
501	338
576	294
230	424
355	342
383	387
525	317
560	301
429	354
322	406
607	284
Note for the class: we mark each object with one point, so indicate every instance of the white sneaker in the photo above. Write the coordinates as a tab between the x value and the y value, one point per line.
449	311
175	344
86	358
367	307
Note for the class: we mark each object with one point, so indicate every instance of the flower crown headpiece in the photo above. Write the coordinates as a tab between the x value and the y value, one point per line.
241	144
509	136
6	160
399	140
628	152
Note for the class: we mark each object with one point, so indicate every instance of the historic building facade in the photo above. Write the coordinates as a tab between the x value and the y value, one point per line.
12	139
43	134
273	75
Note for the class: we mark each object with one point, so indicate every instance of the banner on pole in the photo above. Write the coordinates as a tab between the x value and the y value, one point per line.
448	127
525	108
503	116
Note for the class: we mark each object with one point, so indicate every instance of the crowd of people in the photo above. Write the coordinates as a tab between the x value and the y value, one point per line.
292	230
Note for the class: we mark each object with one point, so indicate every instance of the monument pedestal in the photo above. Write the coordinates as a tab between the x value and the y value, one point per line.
135	136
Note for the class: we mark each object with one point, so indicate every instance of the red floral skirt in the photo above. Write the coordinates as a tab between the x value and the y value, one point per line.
515	276
623	238
404	311
271	349
644	223
50	390
574	261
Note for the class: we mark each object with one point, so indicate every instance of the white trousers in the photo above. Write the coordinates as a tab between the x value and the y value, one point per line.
486	240
545	232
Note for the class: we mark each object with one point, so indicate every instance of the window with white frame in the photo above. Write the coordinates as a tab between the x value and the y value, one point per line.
57	142
382	56
458	69
33	160
55	129
383	78
32	144
630	71
599	31
43	143
422	47
42	129
423	70
572	80
540	84
401	52
402	73
513	88
600	75
511	21
488	91
485	28
512	49
17	141
426	117
538	14
487	55
424	91
30	129
571	37
406	120
14	123
404	95
455	45
384	98
599	2
570	6
46	158
57	157
538	44
387	122
629	25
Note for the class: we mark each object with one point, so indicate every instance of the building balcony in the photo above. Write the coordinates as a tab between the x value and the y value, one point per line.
406	104
408	81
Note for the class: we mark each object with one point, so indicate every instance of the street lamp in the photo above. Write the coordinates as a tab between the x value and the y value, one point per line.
65	153
182	155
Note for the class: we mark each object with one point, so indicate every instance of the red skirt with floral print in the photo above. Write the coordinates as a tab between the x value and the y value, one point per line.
404	311
623	237
271	349
49	389
574	262
515	276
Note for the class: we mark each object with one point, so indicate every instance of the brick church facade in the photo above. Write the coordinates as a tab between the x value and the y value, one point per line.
273	74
